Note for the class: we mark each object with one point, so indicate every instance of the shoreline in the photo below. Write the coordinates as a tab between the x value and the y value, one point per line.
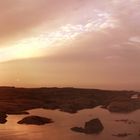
17	100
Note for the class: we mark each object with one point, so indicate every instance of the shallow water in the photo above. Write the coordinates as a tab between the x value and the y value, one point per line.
60	129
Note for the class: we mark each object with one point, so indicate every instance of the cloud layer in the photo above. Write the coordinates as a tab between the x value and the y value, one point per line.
91	43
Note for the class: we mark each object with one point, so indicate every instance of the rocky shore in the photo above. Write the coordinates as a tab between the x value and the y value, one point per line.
17	100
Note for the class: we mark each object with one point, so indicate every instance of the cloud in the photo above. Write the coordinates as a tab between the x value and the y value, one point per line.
26	47
18	18
101	44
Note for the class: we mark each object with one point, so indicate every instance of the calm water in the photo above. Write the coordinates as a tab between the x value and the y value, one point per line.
60	129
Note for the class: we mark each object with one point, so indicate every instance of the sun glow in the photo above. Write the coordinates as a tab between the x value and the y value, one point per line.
34	46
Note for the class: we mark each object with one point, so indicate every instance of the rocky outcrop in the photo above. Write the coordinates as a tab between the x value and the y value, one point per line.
3	117
16	100
128	105
93	126
35	120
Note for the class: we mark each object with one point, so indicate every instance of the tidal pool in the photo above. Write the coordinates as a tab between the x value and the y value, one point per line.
60	129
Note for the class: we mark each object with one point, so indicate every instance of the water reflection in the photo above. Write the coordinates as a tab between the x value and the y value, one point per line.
60	129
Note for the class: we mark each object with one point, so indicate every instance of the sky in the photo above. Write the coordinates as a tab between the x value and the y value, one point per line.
76	43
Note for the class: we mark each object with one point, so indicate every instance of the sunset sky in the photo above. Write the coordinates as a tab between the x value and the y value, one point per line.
76	43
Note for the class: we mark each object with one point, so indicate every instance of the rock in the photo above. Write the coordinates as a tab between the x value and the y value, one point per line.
35	120
78	129
122	134
3	117
18	113
120	106
126	121
123	106
93	126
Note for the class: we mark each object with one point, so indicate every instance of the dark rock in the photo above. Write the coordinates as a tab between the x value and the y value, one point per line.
126	121
18	113
120	106
3	117
35	120
78	129
93	126
124	105
122	134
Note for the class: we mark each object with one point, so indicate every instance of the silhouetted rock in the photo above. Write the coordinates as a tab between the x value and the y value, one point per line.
19	113
78	129
126	121
122	134
35	120
93	126
128	105
3	117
